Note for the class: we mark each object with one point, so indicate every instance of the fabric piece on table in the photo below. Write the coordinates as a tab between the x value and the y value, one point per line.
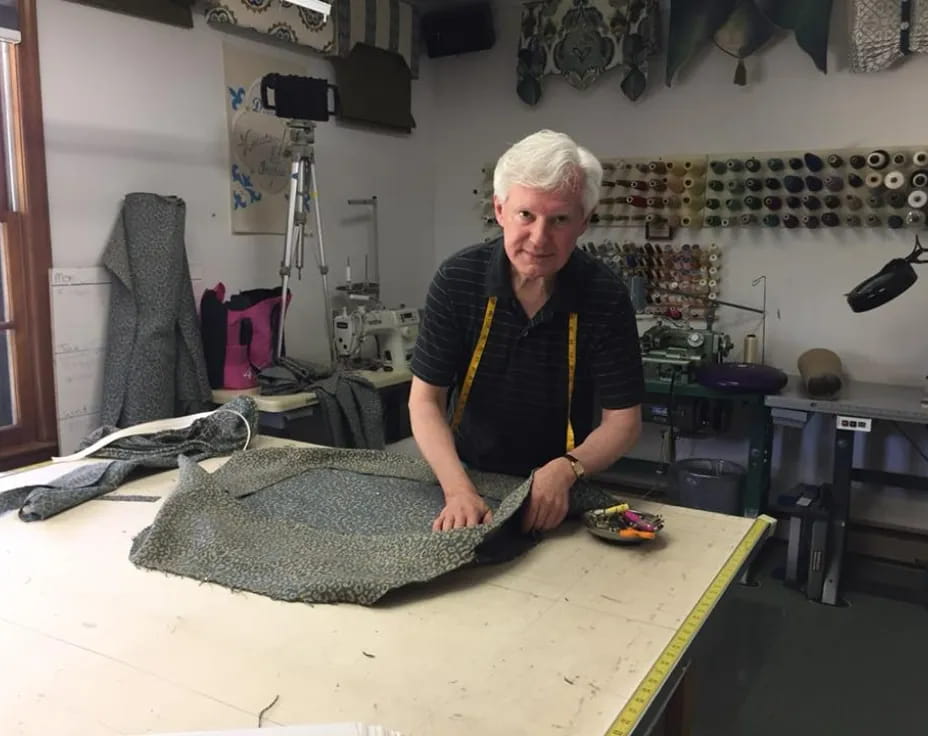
220	433
326	525
154	365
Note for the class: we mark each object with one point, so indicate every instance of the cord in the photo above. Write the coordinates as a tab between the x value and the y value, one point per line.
912	442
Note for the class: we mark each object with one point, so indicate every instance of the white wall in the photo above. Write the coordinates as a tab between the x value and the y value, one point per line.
133	105
787	105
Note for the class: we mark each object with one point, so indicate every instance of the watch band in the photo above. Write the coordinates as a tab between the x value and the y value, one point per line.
575	465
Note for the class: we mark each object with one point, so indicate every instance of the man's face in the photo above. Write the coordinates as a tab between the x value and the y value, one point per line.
540	229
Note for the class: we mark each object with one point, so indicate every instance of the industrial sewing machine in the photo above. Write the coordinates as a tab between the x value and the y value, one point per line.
394	329
671	353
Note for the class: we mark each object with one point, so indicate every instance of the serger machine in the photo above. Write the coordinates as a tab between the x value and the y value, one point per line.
394	329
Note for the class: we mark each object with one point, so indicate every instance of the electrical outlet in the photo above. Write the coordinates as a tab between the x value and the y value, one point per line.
854	424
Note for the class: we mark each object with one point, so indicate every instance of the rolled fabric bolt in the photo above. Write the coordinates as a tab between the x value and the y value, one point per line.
734	164
914	217
795	163
854	202
733	204
793	184
878	159
694	185
857	161
810	221
852	220
814	184
873	220
813	162
718	167
834	183
773	203
835	161
772	183
895	222
830	219
735	186
920	158
753	184
894	180
920	179
896	200
918	198
899	158
790	221
747	219
713	204
874	181
794	203
771	220
875	200
832	201
775	164
753	203
853	180
811	202
752	165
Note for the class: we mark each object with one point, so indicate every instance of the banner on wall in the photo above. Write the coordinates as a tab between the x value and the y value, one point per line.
9	21
259	173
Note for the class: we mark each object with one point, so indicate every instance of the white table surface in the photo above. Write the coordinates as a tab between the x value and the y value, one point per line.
554	642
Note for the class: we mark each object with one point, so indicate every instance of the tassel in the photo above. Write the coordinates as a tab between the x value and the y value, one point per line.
741	74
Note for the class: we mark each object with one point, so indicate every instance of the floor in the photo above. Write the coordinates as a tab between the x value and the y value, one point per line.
772	662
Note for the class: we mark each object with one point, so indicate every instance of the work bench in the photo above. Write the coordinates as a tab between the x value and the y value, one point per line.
577	636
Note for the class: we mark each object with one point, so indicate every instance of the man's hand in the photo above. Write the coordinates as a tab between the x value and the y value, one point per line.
461	510
547	505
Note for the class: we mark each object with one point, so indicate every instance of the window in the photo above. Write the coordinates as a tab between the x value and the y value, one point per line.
27	402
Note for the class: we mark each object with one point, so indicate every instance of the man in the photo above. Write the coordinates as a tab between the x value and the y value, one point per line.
530	332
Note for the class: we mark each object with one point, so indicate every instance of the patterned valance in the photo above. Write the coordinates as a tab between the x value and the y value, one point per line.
392	25
885	31
582	39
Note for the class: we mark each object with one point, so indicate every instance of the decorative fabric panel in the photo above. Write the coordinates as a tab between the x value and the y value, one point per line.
885	31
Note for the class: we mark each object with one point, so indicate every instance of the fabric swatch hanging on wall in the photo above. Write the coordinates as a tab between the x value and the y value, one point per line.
885	31
742	27
280	21
582	39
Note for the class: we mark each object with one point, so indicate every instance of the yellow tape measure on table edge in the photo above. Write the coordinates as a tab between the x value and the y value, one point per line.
638	703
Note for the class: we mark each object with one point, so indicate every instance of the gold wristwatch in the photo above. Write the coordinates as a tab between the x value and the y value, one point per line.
575	465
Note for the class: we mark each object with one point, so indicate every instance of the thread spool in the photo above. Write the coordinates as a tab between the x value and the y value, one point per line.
813	162
773	203
771	220
735	186
753	203
857	161
854	202
675	185
718	167
726	222
795	164
717	185
713	221
874	181
733	204
834	183
853	220
896	199
696	186
874	200
713	204
793	184
894	180
810	221
751	349
895	222
853	180
794	203
873	220
832	201
814	184
790	221
775	164
918	199
658	167
811	202
636	201
753	184
657	185
675	168
734	164
639	185
747	219
655	202
915	218
899	158
920	158
835	161
691	203
920	179
830	219
878	159
694	166
752	165
772	183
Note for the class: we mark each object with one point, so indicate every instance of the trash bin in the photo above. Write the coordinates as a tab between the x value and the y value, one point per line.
711	485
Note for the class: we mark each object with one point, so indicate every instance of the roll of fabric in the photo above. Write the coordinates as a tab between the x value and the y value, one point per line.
821	372
154	366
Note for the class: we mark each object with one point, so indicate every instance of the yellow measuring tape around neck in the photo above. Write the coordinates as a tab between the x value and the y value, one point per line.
478	354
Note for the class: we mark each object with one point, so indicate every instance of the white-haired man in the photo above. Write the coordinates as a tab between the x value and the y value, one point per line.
530	333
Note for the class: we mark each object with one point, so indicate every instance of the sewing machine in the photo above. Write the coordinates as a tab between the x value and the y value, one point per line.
671	353
394	329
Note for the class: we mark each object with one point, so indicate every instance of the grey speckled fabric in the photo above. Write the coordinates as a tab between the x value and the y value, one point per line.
885	31
326	525
154	367
219	433
353	410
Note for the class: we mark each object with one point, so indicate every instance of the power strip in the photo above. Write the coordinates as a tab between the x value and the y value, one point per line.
854	424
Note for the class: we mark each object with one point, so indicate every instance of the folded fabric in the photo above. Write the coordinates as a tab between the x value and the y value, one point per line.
324	525
223	431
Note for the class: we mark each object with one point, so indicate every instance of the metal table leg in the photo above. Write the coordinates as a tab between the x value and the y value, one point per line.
841	506
757	482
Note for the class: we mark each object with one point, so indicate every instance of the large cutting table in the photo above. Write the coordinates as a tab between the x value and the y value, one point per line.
555	642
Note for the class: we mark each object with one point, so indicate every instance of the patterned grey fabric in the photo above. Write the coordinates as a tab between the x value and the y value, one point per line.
218	434
324	525
154	366
289	376
884	31
353	410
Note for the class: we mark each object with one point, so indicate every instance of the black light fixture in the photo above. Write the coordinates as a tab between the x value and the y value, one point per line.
893	279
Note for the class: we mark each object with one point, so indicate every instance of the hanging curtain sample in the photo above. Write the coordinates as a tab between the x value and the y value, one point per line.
582	39
885	31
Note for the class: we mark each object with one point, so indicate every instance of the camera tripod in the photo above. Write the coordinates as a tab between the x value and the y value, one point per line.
301	137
